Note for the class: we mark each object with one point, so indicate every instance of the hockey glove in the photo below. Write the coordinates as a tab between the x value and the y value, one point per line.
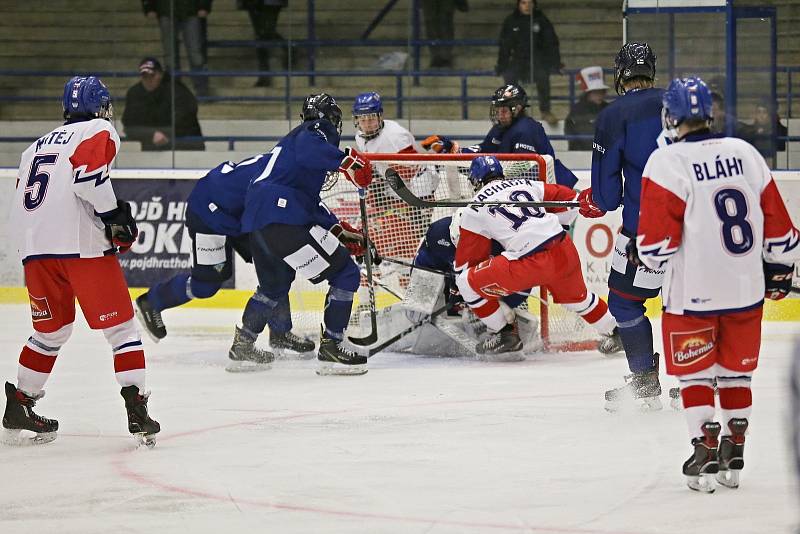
351	238
121	227
778	280
356	168
440	144
633	253
588	208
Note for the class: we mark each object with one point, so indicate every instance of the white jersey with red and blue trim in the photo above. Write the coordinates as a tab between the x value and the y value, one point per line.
62	186
520	231
711	211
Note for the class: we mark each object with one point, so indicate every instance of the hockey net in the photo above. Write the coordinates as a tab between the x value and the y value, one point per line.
397	230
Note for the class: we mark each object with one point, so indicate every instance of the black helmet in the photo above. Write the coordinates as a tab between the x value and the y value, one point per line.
322	106
509	96
634	60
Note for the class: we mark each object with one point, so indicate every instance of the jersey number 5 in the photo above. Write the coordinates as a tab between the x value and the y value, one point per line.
36	184
737	233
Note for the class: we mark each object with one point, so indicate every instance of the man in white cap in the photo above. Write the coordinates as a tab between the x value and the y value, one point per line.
580	120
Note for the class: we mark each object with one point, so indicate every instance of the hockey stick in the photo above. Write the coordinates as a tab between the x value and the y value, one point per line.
372	337
388	289
399	187
422	322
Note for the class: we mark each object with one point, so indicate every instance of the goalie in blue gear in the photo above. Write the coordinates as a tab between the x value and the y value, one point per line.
213	213
627	131
287	219
513	132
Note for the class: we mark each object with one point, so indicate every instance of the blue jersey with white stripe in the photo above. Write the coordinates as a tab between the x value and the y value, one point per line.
626	133
218	197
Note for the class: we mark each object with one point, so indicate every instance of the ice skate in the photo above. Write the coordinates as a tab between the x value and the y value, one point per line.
19	417
150	318
245	357
731	453
143	428
502	346
288	345
642	389
334	359
610	344
703	463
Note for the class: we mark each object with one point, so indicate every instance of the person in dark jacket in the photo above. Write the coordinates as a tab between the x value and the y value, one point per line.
264	19
187	21
148	111
527	33
582	115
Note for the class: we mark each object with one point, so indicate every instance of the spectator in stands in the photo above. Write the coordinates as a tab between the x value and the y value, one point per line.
528	42
582	115
438	15
148	111
264	18
766	127
717	113
186	22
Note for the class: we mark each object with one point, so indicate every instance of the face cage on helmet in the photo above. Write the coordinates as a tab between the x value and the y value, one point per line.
374	134
512	106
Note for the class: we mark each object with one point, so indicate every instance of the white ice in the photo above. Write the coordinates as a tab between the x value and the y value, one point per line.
418	445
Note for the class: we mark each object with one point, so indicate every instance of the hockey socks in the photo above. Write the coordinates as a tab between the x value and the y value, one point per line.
174	292
637	338
338	305
262	310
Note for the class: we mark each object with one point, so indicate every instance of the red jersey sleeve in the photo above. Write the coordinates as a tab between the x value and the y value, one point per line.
781	238
660	223
559	193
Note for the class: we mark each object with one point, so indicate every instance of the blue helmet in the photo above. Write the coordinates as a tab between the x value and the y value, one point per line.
368	104
322	106
684	99
484	169
86	97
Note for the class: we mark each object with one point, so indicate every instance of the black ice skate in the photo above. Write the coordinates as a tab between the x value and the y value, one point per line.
245	356
334	359
140	424
642	389
504	345
610	344
731	453
288	345
150	318
19	416
703	463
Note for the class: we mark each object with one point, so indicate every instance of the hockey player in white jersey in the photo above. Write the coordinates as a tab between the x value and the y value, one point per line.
712	216
69	226
537	251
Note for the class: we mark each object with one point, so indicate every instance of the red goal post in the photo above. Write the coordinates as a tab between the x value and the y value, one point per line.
397	229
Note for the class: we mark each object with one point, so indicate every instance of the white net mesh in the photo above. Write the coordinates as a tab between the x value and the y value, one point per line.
397	229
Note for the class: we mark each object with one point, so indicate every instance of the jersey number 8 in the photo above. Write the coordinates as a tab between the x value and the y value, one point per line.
737	233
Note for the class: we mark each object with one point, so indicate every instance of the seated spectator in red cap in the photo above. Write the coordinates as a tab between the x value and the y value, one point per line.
580	120
148	111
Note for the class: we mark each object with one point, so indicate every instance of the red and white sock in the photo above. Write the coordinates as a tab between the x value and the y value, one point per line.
594	311
37	358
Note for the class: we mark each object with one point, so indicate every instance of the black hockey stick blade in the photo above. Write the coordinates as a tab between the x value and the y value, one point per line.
372	337
399	187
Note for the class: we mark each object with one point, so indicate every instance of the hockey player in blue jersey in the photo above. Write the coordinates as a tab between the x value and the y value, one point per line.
286	218
626	132
213	213
513	132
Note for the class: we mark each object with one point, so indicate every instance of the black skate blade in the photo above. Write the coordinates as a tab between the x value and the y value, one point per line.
702	484
143	324
15	438
728	478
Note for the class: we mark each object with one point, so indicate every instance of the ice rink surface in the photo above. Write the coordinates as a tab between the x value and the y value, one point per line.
418	445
